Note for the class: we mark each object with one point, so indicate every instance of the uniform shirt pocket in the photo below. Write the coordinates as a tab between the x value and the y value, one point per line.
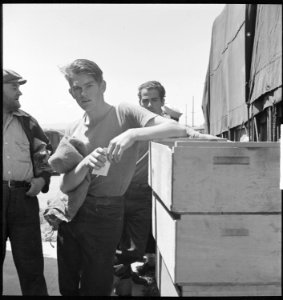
22	150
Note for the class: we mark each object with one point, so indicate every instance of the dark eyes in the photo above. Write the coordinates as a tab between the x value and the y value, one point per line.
145	101
79	89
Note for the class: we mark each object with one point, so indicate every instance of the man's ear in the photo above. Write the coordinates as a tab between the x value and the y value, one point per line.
103	86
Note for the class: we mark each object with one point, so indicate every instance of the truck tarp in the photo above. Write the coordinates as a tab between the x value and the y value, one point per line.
224	97
266	65
224	104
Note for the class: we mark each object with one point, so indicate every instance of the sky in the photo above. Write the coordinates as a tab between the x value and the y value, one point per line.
132	43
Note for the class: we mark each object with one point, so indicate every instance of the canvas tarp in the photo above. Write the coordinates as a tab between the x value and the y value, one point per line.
266	66
224	104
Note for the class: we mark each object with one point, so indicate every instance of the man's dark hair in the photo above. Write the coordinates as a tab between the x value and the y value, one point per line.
152	85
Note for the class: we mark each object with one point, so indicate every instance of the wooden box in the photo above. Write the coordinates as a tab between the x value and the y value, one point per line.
206	176
220	249
167	288
164	281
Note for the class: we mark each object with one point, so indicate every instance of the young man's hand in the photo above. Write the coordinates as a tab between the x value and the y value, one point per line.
119	144
96	159
36	186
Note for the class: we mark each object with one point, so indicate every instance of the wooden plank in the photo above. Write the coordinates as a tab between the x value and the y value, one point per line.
207	143
221	290
231	249
166	237
158	268
248	181
153	214
161	170
175	141
164	282
225	180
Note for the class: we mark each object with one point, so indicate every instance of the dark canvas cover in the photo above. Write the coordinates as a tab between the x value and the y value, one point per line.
224	104
266	65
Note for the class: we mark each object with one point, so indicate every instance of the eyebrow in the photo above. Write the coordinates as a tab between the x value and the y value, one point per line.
92	81
154	98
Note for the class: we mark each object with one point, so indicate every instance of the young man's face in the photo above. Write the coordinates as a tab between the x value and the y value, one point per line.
150	99
86	91
11	95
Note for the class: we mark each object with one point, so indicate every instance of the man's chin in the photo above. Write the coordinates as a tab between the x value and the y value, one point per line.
16	107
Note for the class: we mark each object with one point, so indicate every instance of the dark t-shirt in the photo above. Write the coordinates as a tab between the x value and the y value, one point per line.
141	172
119	118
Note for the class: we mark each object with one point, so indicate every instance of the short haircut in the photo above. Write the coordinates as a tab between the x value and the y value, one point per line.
82	66
152	85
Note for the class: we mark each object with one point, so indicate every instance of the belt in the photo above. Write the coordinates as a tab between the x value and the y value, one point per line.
139	185
16	184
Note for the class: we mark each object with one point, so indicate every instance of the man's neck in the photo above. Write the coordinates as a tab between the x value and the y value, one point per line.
94	117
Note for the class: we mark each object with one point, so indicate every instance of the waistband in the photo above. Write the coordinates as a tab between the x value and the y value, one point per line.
16	184
139	185
106	200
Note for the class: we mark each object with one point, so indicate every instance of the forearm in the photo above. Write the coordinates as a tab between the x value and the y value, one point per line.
73	178
95	160
197	135
163	130
209	137
153	130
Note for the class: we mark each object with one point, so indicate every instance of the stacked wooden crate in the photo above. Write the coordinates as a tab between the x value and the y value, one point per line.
216	217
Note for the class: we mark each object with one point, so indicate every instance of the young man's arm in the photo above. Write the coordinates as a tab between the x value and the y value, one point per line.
155	128
72	179
191	133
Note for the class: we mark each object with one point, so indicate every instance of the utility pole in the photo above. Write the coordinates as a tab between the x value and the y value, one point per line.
186	115
193	113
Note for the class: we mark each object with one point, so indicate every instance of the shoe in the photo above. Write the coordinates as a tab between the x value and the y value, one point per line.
122	271
144	269
139	279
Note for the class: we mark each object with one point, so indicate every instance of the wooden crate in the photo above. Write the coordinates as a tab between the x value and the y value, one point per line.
219	249
167	288
163	279
222	290
199	176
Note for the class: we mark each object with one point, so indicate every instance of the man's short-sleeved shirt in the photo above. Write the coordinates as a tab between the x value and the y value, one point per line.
117	120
